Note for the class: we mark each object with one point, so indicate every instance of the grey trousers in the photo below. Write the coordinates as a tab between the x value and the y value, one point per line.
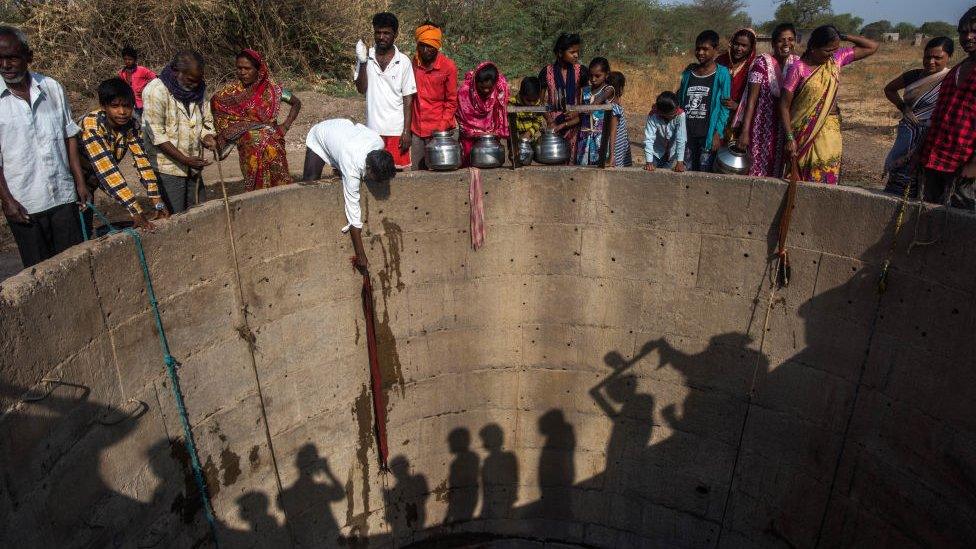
180	191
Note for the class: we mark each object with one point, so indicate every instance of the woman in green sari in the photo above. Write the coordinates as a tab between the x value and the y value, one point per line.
808	104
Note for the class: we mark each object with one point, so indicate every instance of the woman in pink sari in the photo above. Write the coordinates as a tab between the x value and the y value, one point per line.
482	107
761	133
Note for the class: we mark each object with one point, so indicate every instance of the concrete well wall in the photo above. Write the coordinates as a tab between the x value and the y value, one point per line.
611	369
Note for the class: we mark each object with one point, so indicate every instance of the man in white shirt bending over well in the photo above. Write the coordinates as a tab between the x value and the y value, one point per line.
358	153
386	77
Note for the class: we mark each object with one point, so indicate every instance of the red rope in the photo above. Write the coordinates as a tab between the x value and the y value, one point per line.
376	377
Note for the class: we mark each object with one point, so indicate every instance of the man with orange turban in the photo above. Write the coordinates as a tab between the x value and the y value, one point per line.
436	100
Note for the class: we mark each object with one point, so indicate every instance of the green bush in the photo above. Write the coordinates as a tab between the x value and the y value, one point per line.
519	34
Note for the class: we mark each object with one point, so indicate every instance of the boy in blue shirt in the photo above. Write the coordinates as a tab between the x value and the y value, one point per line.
665	135
704	85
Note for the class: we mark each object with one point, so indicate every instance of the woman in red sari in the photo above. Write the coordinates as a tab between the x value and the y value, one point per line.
738	59
246	113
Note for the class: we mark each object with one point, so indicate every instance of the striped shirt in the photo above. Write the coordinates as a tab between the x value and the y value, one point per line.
621	141
103	148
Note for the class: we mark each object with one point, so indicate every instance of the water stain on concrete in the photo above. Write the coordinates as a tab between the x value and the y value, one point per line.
211	475
390	277
363	414
440	491
389	358
186	504
230	463
254	457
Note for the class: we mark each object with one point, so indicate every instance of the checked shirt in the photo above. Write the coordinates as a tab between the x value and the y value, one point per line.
102	150
951	140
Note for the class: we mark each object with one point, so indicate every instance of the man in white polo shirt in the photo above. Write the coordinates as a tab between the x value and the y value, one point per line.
386	77
358	154
40	169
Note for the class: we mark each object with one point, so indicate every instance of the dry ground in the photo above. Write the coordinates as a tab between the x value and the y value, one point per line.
868	122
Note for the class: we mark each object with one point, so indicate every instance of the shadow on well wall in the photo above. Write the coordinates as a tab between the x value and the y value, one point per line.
743	458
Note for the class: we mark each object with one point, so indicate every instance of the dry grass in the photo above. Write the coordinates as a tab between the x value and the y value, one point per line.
862	86
77	41
645	82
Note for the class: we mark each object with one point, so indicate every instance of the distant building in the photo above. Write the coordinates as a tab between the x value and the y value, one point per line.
920	39
890	37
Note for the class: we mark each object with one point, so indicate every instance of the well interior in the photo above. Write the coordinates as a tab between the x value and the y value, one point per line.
824	413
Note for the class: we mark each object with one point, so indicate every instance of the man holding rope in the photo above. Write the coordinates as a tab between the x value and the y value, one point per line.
358	153
107	134
177	121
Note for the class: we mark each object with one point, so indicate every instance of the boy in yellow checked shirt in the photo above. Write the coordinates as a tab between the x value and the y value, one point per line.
529	125
106	135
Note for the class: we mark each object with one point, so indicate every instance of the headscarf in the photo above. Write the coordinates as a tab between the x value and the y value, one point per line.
238	108
476	115
740	71
181	94
430	35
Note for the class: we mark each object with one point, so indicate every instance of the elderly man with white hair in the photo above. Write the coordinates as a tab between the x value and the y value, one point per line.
40	169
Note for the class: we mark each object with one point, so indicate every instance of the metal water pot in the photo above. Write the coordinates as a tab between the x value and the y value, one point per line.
442	152
732	160
525	152
487	152
551	149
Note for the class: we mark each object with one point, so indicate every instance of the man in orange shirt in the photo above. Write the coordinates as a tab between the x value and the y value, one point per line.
436	100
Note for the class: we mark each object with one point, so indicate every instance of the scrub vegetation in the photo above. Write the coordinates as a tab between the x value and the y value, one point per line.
77	41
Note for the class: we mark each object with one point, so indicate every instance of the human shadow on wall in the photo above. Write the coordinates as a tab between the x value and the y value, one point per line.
254	508
307	502
462	478
53	443
631	412
557	469
406	501
499	475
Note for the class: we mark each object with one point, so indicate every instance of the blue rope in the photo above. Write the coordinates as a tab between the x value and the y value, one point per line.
171	366
84	227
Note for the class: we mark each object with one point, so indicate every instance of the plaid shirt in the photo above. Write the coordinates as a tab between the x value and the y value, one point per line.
951	139
102	150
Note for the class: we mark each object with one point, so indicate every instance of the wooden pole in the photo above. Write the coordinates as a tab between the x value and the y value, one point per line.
512	152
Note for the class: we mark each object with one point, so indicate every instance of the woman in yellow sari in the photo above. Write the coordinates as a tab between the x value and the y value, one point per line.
808	104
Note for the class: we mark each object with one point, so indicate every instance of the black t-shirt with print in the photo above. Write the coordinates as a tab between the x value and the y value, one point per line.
698	104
